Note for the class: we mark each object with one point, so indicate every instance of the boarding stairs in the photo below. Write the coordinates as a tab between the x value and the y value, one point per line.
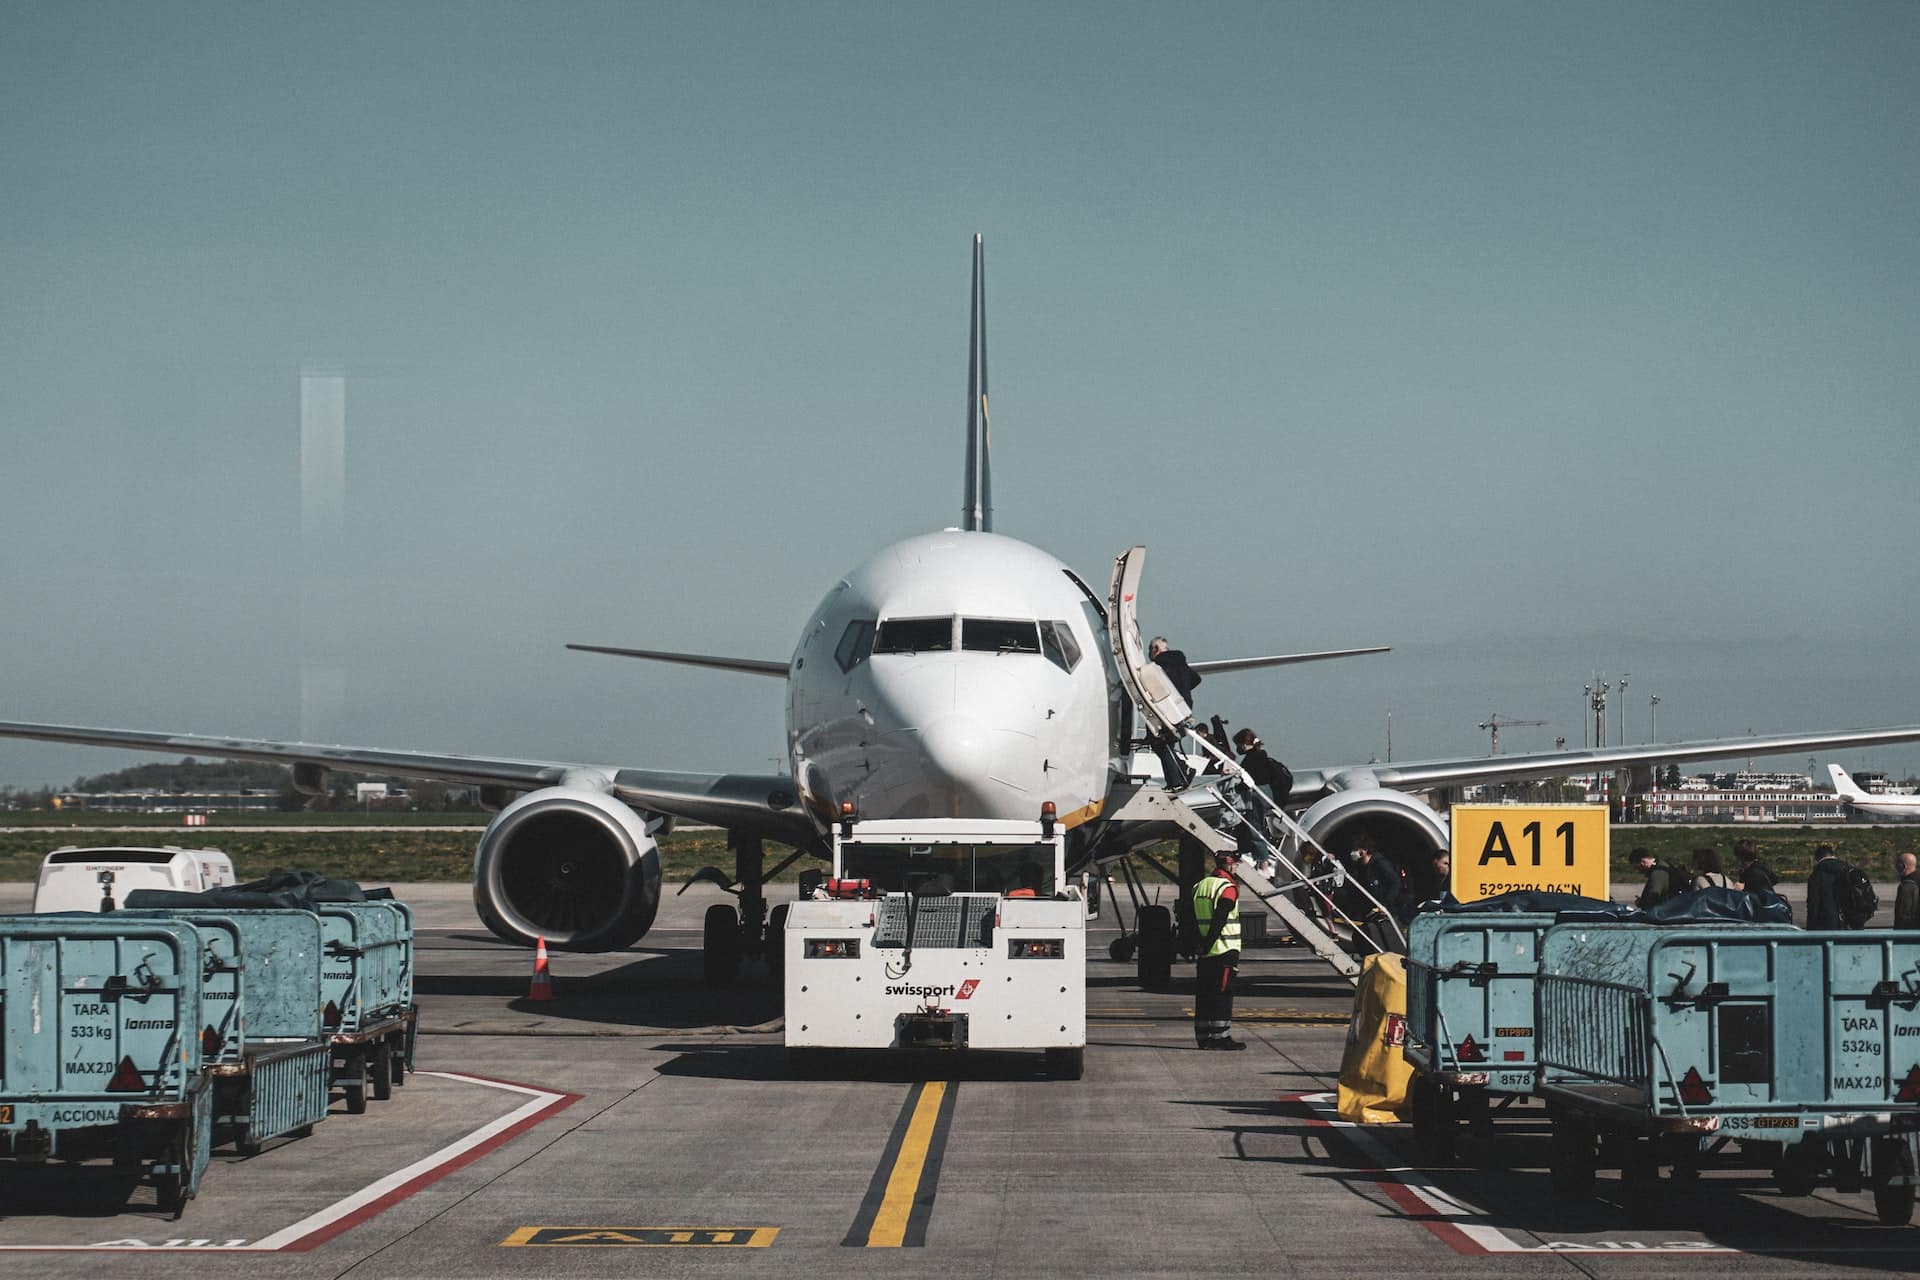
1274	876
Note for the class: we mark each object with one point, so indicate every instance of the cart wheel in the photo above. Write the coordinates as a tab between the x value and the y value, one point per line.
247	1146
168	1191
1797	1171
720	951
1892	1202
397	1063
1571	1157
354	1088
1153	961
1640	1177
1121	949
382	1071
774	946
1066	1063
1432	1119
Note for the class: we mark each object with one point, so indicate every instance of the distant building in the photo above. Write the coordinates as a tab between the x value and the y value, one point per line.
244	800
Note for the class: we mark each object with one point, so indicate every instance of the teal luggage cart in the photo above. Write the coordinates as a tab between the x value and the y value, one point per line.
1665	1045
101	1053
1470	1019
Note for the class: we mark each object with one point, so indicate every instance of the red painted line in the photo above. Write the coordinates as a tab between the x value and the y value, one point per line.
1403	1196
555	1103
319	1236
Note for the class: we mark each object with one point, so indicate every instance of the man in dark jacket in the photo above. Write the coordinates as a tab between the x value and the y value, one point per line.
1174	663
1663	881
1755	875
1379	877
1263	768
1827	891
1906	898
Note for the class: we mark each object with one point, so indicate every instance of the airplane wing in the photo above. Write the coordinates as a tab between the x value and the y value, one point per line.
1279	659
1421	775
754	803
750	666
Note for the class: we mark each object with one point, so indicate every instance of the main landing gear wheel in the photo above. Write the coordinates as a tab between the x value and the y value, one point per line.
1066	1063
1153	961
720	954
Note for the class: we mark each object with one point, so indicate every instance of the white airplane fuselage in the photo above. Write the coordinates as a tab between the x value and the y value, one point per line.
954	675
1863	801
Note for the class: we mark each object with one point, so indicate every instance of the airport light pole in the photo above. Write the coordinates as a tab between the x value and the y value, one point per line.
1652	702
1623	708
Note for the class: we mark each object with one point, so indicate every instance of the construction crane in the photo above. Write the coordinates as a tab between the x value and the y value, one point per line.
1495	722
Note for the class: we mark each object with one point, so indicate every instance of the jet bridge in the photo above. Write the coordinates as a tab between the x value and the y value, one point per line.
1302	899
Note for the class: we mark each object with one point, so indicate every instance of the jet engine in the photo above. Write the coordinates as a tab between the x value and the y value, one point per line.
1393	823
569	864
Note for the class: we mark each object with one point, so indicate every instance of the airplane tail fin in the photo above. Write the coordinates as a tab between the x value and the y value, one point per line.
976	513
1844	784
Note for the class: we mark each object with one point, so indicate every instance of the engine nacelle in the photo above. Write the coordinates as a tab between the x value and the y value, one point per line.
572	865
1393	823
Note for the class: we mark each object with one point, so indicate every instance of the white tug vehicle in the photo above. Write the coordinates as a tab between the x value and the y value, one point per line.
940	934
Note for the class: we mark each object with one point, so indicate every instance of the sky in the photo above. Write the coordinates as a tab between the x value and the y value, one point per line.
1536	341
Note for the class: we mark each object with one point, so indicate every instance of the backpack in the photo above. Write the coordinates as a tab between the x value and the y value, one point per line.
1859	902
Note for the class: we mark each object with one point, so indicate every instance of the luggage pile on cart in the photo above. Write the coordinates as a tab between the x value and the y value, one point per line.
150	1035
1678	1042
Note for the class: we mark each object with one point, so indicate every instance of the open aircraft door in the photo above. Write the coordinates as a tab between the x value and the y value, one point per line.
1166	711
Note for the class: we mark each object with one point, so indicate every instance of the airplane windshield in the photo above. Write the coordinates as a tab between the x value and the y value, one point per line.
914	635
998	635
1026	869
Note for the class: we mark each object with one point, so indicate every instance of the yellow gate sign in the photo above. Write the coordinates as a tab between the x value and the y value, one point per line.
1560	848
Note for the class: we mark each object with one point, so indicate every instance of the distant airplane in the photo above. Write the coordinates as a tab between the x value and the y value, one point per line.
955	674
1866	802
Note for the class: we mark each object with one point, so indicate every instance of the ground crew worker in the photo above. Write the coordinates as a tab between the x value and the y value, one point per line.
1906	897
1216	913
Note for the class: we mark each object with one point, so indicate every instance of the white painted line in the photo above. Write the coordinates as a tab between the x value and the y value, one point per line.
370	1200
1463	1225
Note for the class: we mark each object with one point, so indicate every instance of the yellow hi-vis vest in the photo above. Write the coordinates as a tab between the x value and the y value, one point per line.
1206	895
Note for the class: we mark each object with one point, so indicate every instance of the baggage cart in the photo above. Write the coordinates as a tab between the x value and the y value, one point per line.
1661	1045
266	1050
100	1048
1470	1019
366	977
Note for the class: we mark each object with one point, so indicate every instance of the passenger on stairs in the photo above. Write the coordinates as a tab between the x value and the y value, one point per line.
1174	663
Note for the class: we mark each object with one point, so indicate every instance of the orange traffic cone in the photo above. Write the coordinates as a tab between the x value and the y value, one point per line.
542	988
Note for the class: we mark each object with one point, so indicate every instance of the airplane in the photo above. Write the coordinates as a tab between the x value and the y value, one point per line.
1865	802
959	673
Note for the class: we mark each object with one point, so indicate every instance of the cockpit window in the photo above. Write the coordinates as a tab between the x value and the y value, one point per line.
999	635
1057	642
914	635
855	644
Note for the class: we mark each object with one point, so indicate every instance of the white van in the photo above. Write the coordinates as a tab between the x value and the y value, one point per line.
76	879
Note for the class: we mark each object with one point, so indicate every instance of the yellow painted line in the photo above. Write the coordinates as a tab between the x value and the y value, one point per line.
643	1237
890	1224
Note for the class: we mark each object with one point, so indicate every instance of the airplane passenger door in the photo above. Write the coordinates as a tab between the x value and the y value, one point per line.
1166	711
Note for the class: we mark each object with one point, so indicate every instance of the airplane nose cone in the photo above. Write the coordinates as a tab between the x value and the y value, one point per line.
959	754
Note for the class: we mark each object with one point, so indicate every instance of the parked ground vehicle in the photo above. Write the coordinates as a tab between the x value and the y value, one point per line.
940	934
99	879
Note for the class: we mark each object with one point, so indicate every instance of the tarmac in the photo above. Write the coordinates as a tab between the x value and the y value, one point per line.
639	1111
